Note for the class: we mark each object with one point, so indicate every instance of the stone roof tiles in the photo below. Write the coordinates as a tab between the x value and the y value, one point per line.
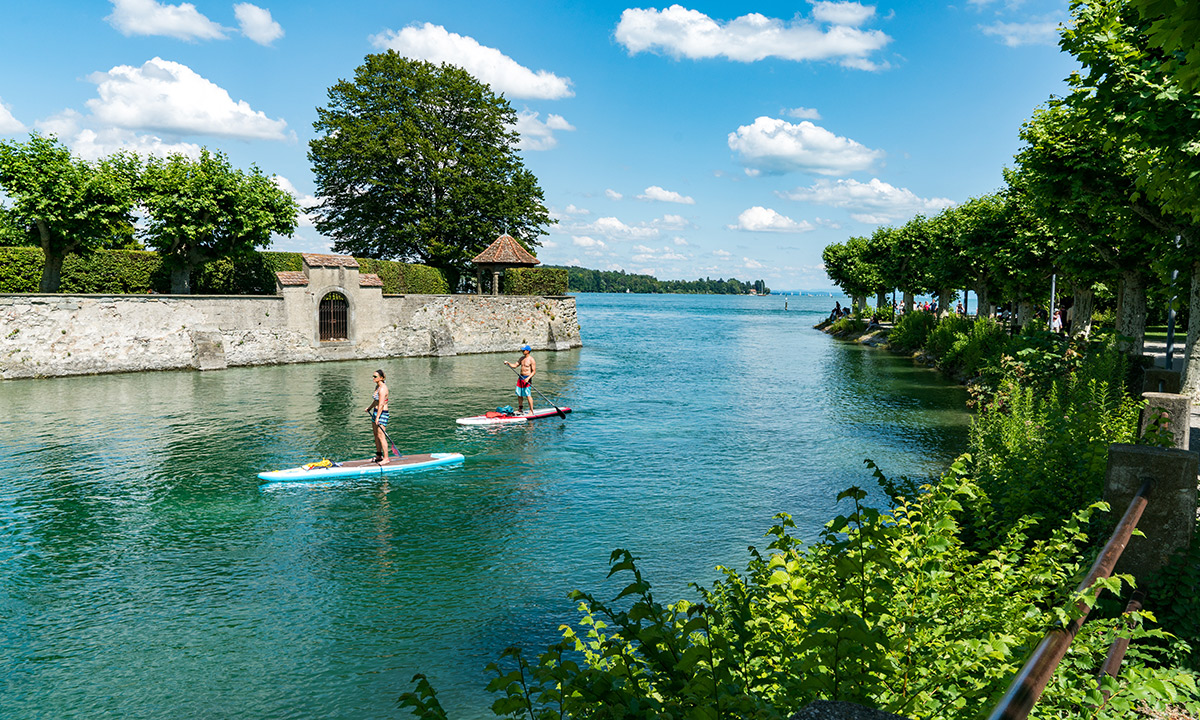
290	278
317	260
370	280
505	251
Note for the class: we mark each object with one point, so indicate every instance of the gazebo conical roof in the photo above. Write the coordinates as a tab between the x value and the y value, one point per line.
504	250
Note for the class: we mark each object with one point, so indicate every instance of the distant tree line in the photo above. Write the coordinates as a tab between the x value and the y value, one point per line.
585	280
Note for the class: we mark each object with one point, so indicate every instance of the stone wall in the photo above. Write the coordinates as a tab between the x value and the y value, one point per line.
53	335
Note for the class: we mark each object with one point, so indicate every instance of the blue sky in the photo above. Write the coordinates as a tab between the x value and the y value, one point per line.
704	139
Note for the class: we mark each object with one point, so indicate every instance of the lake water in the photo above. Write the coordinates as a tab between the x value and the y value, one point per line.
144	573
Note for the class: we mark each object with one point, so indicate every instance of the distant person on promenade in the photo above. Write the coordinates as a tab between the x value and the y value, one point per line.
526	368
378	410
837	310
958	309
1056	324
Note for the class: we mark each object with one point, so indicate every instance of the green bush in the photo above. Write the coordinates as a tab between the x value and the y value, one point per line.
251	274
887	609
912	331
847	326
139	272
946	333
535	281
405	278
982	346
102	272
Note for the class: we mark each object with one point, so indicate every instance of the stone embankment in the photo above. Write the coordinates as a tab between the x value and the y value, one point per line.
55	335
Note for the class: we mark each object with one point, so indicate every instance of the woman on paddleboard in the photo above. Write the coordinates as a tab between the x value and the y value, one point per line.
378	410
526	368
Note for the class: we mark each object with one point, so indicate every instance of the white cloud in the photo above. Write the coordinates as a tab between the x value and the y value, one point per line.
305	201
1041	31
803	113
92	143
257	24
613	229
877	202
8	123
587	242
655	193
147	17
572	210
538	135
722	253
679	241
776	146
505	75
761	219
752	264
642	249
549	244
169	97
843	13
672	222
612	194
680	32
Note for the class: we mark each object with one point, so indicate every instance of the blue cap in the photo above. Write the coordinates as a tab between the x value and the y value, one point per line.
526	347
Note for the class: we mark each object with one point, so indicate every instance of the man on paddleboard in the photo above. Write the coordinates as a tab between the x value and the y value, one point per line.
526	368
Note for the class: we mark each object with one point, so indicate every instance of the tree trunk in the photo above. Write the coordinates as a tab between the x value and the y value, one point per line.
51	273
943	297
1191	358
1082	309
1024	312
181	280
1131	313
860	302
908	302
880	299
982	309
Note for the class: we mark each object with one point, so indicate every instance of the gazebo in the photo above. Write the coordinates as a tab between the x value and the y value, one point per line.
503	253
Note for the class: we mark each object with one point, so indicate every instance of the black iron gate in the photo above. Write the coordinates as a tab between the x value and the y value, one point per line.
333	317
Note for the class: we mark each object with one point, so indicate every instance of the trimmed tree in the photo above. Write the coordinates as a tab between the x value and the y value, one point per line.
204	209
417	162
63	204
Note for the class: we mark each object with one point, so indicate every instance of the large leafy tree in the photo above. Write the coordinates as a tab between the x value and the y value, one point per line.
1139	88
850	267
416	161
64	204
202	209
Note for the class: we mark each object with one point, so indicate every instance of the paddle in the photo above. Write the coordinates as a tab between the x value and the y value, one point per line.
561	414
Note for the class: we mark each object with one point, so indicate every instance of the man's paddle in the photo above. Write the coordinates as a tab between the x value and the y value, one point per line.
561	414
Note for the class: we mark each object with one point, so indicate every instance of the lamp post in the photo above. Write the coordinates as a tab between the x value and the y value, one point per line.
1171	313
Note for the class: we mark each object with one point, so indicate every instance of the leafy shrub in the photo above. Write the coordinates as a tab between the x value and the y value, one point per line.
847	326
888	610
946	333
138	272
982	346
912	331
250	274
535	281
405	278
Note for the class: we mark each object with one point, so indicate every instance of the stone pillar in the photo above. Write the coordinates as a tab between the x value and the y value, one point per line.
1170	515
1179	415
1158	380
495	282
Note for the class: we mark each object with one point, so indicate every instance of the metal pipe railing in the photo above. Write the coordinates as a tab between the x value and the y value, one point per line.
1028	685
1116	651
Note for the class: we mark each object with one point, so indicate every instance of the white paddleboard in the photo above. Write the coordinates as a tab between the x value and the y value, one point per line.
362	468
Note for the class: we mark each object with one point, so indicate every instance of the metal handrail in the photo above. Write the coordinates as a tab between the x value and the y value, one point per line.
1028	685
1116	651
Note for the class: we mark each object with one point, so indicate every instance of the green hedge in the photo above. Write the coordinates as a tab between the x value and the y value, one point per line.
404	278
139	272
535	281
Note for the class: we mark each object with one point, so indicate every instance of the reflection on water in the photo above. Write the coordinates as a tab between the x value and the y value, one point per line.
144	572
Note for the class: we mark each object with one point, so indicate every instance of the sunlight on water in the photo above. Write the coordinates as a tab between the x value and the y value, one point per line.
145	573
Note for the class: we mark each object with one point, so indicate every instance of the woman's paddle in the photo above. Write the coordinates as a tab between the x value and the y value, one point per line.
561	414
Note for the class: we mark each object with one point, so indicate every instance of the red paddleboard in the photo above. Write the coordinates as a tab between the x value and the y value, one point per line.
498	418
